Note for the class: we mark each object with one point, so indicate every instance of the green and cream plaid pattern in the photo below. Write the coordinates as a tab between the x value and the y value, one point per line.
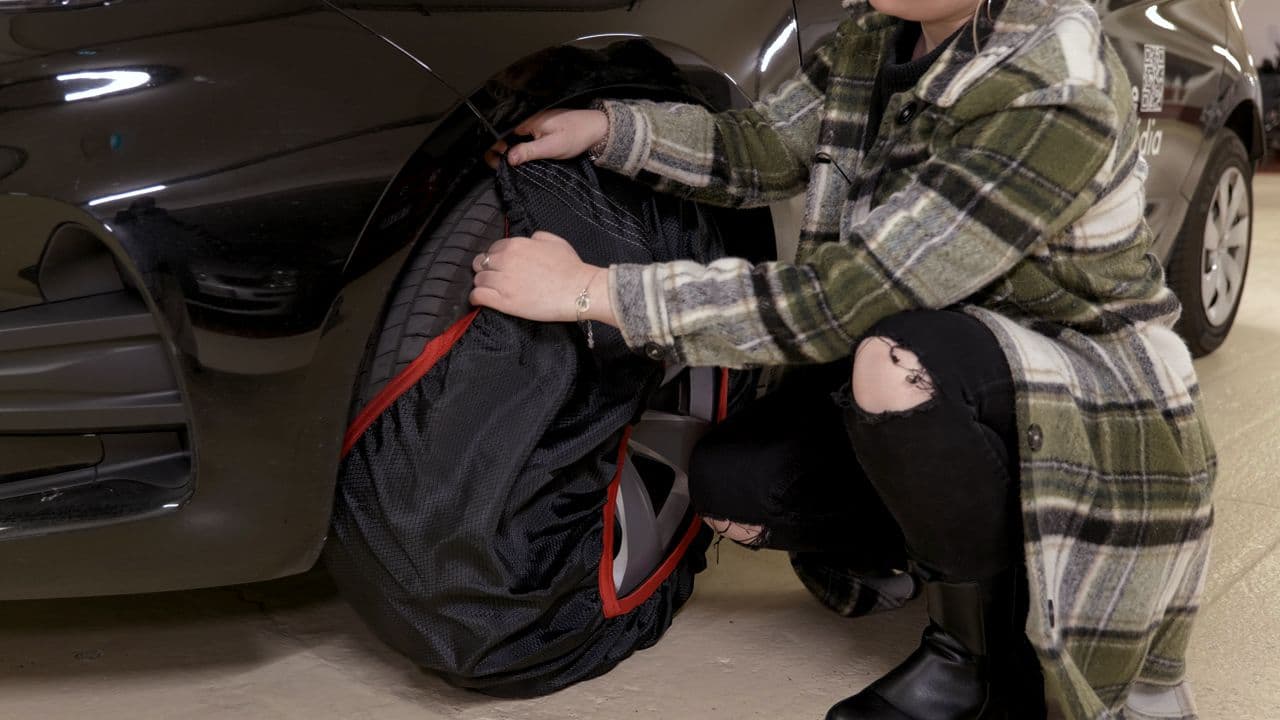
1008	183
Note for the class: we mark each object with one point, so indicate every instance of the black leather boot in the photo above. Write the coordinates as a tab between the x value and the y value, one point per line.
974	661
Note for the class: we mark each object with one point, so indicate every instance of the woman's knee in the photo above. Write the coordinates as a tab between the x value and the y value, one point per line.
743	533
723	498
732	482
889	378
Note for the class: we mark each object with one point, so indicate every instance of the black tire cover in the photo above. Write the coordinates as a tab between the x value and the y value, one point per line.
468	527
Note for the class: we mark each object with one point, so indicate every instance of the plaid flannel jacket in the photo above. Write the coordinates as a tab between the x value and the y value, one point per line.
1008	183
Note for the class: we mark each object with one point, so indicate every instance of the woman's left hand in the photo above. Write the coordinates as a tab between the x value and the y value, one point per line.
540	278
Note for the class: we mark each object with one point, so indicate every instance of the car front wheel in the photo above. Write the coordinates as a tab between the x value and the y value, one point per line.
1211	257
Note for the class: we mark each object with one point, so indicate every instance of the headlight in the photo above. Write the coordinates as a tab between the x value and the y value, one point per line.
9	5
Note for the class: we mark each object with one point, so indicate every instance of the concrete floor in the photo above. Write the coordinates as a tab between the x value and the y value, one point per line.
752	643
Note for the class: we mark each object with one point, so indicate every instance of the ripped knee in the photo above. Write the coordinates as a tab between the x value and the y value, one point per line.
741	533
888	378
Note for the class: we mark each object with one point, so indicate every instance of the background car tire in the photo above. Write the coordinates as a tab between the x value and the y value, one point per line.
433	290
1208	267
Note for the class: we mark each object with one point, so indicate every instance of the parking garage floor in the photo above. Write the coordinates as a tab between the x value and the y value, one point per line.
751	644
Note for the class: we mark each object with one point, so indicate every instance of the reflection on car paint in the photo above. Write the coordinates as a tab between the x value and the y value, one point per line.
263	184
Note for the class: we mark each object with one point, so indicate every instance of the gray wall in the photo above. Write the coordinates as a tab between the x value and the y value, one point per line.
1262	27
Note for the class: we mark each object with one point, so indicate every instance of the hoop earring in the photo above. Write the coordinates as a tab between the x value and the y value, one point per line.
990	17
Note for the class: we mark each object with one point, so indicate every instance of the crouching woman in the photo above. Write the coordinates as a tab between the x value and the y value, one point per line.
1014	421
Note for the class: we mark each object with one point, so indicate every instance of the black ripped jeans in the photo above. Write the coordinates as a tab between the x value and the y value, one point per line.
936	483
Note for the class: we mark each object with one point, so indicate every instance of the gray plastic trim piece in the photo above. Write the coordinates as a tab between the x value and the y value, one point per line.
670	436
646	534
107	317
702	393
94	364
640	550
676	505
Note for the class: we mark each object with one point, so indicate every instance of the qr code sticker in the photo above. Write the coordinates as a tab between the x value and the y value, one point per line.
1152	78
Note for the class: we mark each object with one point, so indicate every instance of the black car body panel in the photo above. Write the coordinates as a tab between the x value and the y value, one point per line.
256	174
226	190
240	195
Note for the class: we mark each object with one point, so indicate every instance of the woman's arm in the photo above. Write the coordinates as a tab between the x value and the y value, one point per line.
737	158
1008	179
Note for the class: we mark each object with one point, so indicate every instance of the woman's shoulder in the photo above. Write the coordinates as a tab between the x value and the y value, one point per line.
1020	15
1062	39
1050	52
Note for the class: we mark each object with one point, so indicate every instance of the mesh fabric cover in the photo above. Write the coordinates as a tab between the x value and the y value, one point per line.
469	516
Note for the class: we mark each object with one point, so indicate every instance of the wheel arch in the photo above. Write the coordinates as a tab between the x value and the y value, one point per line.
450	158
449	161
452	152
1245	121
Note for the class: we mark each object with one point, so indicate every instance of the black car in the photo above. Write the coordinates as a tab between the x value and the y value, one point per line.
211	212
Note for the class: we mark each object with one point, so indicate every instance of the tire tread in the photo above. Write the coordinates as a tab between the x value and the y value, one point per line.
432	290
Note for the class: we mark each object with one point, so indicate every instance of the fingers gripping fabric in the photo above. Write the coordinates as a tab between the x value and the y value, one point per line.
469	523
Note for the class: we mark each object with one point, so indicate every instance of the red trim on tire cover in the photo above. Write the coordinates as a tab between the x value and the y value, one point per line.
613	605
439	346
722	407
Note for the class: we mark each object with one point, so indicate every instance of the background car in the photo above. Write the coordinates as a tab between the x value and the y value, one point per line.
1200	109
1270	81
217	220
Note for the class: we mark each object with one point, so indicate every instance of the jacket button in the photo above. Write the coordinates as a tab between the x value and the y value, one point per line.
907	113
1035	438
655	351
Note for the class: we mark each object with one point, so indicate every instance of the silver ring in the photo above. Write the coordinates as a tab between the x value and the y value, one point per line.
484	262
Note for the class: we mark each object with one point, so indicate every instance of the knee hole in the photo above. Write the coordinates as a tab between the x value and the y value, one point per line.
889	378
738	532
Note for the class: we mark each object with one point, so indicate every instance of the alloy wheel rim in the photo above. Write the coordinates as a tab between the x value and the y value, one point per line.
1226	247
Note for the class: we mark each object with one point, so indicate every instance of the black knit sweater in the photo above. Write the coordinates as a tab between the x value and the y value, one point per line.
900	73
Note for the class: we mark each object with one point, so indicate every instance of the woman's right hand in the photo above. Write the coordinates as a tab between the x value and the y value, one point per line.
557	135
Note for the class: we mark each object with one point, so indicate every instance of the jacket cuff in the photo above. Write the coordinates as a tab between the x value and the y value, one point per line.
626	146
640	307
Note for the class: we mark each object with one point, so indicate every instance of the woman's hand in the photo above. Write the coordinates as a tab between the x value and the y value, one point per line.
540	278
557	135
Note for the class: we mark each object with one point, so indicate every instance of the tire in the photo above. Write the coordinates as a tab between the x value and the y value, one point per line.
446	450
432	292
1208	266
